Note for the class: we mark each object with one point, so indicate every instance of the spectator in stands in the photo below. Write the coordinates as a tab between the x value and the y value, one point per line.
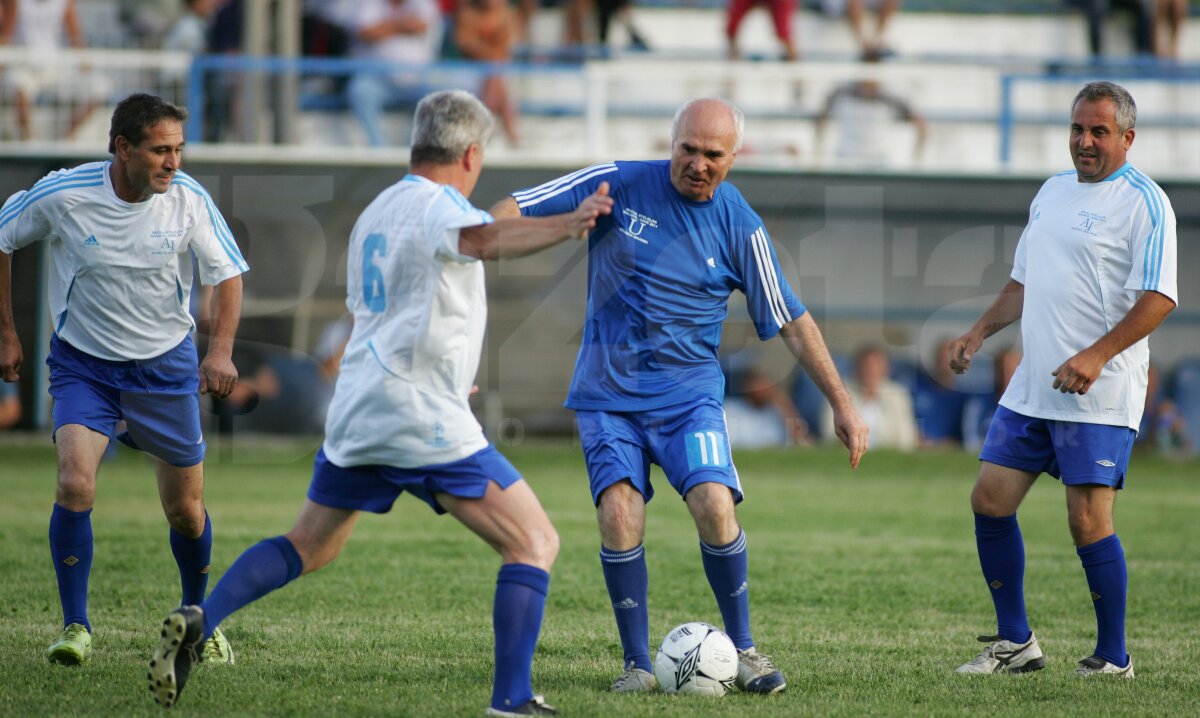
10	405
148	21
977	414
884	405
1097	11
760	413
863	111
325	27
407	33
622	10
1163	425
1170	18
38	26
781	15
223	89
485	31
937	403
189	33
871	45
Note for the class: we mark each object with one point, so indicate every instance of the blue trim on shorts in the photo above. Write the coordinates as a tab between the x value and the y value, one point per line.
689	441
157	398
1076	453
375	487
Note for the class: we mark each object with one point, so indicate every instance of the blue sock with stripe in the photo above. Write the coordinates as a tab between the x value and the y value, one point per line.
193	556
71	550
628	585
1002	558
516	621
1108	579
727	568
266	566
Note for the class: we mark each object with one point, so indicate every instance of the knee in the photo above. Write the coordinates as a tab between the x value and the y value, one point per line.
76	489
541	548
1087	529
186	517
985	502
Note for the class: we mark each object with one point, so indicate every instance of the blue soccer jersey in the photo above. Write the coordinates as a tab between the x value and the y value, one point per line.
660	272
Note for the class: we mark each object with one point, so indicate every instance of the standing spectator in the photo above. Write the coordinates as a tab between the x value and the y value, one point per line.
1096	13
407	33
190	32
485	31
864	113
871	45
148	21
883	404
781	15
937	403
1170	18
606	10
38	26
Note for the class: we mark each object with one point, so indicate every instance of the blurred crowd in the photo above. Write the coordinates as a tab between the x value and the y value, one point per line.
925	405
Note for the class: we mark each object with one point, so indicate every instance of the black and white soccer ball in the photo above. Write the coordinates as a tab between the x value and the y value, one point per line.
696	659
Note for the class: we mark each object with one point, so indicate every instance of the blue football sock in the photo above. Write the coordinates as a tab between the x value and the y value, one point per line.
516	620
193	556
727	568
71	550
627	581
1107	577
267	565
1002	558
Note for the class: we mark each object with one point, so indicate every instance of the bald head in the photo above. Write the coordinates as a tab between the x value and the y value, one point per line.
705	137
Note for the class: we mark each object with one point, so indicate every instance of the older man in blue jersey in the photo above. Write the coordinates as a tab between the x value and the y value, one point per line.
122	235
647	385
1096	269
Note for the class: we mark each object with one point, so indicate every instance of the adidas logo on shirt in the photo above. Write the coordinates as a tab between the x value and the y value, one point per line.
91	241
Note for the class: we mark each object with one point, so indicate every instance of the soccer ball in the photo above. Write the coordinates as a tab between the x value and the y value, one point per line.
696	659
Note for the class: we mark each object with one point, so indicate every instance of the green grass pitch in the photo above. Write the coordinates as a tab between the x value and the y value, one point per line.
865	588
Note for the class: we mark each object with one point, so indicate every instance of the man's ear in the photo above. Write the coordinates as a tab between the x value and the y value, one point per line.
472	157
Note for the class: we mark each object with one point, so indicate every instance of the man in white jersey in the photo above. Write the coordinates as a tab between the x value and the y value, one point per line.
399	420
122	236
1094	274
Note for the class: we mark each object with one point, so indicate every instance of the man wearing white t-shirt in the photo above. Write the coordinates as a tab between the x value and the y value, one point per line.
399	420
122	234
1096	269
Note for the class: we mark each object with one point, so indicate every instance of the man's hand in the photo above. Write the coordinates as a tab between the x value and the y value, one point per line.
961	351
583	219
1077	374
218	375
852	431
10	356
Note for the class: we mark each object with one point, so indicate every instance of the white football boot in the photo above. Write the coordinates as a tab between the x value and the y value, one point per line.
1001	656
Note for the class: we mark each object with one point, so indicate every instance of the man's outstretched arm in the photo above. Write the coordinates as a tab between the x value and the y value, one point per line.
512	235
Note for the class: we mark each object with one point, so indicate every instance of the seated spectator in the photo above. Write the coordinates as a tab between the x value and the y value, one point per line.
148	21
485	31
190	32
1170	18
871	45
884	405
978	410
10	404
781	15
1163	425
405	32
938	404
863	110
760	413
324	27
1096	13
38	26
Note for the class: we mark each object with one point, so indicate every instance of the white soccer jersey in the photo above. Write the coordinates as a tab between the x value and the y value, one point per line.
121	276
419	314
1087	254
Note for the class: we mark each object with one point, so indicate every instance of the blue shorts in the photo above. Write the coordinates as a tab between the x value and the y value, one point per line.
375	488
158	399
1072	452
689	441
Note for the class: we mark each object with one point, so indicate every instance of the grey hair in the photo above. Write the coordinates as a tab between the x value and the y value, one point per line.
739	119
1121	99
446	123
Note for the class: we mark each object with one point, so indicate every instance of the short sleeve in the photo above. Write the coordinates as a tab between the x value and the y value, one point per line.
565	193
22	222
769	298
1153	242
217	254
447	214
1018	270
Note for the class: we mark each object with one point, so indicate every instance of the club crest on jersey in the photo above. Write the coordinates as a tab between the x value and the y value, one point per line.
1088	222
636	223
165	240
